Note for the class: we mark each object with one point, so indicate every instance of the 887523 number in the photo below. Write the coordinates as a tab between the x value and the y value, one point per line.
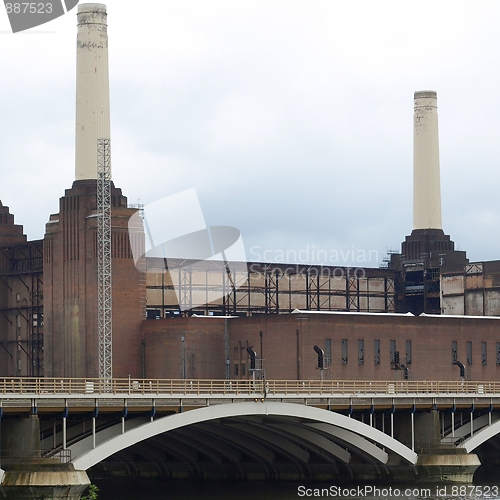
29	8
485	491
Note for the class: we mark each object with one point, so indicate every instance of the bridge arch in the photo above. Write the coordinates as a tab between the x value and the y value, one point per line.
354	433
481	436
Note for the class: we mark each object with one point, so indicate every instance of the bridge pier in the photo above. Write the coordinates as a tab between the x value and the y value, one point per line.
28	475
447	465
436	461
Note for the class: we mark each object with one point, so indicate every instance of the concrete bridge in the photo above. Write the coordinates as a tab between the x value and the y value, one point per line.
276	429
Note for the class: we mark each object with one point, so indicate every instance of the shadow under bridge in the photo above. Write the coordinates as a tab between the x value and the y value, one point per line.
245	440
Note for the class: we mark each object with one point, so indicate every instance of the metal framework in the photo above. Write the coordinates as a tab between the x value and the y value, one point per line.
269	289
229	290
418	288
104	258
352	292
185	289
24	311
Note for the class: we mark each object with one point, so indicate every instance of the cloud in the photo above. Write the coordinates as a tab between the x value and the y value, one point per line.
291	119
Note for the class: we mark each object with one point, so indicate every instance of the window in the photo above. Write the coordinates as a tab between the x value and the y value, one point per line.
328	352
344	351
498	353
469	353
150	314
392	350
454	352
408	352
483	353
376	351
361	351
236	366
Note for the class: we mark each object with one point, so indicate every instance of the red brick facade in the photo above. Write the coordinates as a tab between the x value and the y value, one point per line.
287	345
70	288
356	345
184	348
10	233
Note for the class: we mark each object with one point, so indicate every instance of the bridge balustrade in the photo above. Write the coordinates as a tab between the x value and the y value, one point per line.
205	387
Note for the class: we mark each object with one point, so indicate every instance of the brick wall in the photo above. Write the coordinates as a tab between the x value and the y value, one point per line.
70	284
288	340
288	345
184	348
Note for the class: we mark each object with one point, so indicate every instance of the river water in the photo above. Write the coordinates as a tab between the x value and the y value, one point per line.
147	489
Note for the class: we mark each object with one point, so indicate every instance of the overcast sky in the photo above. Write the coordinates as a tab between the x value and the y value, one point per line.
291	119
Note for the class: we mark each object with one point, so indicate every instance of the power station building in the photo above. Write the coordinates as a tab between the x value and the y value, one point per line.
429	308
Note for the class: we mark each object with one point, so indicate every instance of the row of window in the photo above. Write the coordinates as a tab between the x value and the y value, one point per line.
484	353
240	354
396	356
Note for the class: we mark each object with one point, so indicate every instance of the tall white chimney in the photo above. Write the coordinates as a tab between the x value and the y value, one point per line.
92	87
426	177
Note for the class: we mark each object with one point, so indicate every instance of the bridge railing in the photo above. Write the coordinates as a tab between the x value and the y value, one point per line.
26	456
231	388
63	386
371	387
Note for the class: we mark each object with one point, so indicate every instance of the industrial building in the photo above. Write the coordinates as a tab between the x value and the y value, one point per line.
429	308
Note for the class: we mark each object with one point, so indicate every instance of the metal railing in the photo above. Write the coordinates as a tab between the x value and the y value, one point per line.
29	456
18	456
64	456
234	388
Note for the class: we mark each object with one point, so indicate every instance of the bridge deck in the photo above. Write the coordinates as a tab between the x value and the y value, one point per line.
84	395
98	418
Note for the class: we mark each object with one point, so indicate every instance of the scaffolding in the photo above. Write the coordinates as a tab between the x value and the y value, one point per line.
268	289
21	268
104	258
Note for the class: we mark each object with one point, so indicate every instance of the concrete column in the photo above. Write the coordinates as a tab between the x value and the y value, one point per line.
43	478
92	88
427	430
437	462
27	476
426	175
20	439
